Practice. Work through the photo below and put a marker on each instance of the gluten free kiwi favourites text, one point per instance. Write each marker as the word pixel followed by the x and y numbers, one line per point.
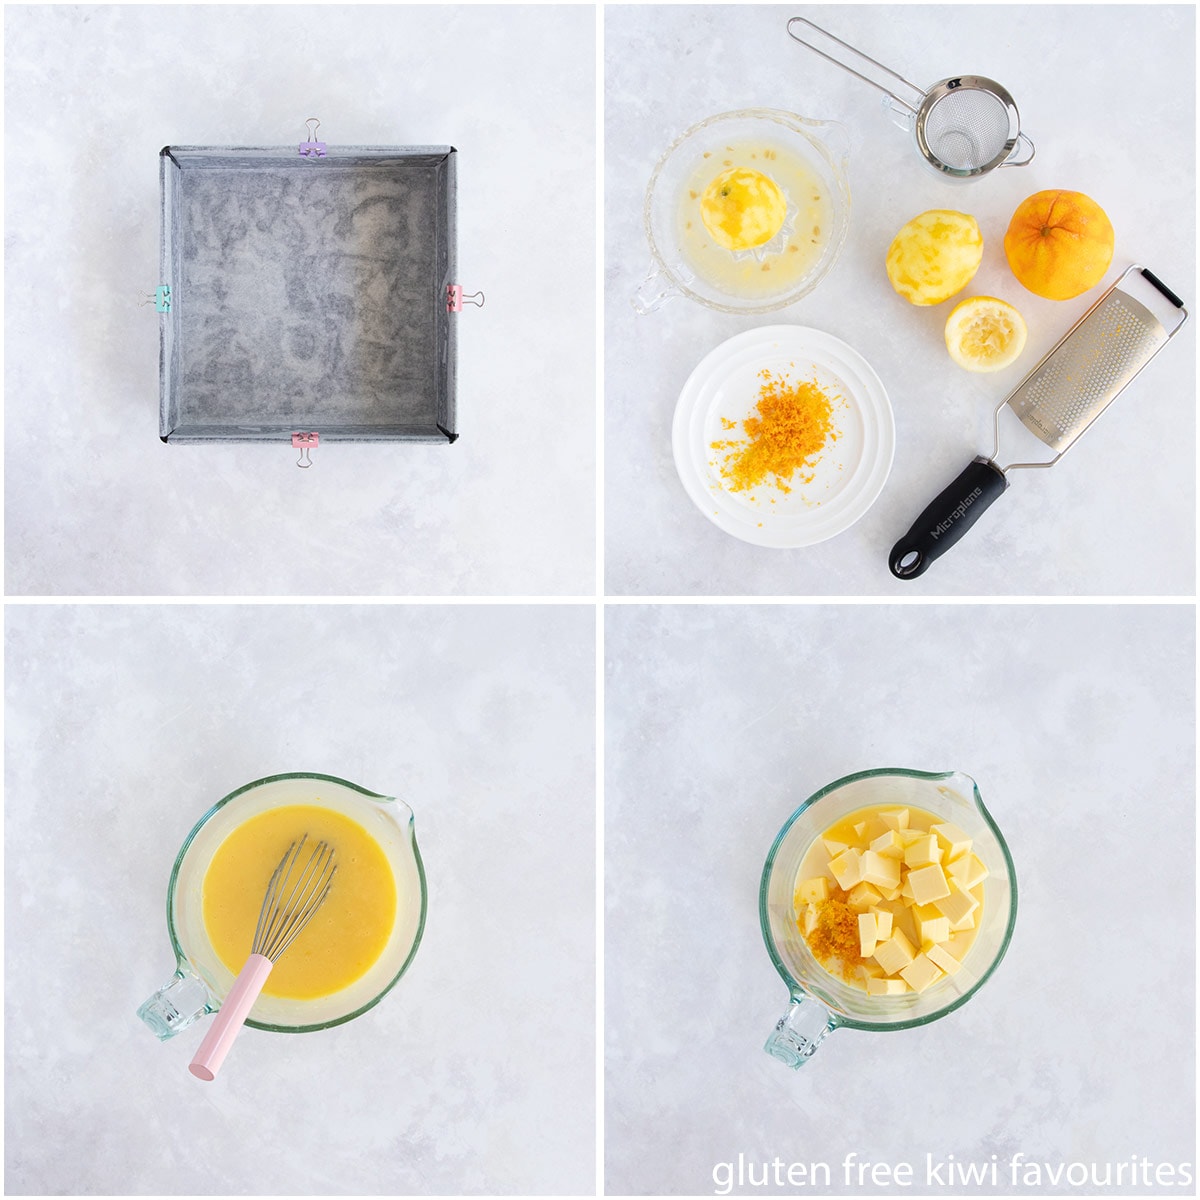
pixel 1019 1170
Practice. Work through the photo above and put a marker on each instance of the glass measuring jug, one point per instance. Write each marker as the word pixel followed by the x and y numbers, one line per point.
pixel 202 980
pixel 821 1002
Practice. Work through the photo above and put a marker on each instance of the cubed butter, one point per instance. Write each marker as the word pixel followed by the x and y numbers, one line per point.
pixel 922 852
pixel 960 870
pixel 886 987
pixel 895 953
pixel 921 973
pixel 862 896
pixel 847 869
pixel 889 845
pixel 883 923
pixel 941 957
pixel 813 891
pixel 953 841
pixel 978 874
pixel 957 905
pixel 890 893
pixel 869 970
pixel 895 818
pixel 808 920
pixel 860 828
pixel 967 922
pixel 928 884
pixel 867 935
pixel 880 870
pixel 932 925
pixel 908 836
pixel 836 846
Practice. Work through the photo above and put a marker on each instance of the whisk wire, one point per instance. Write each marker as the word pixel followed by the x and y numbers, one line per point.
pixel 282 919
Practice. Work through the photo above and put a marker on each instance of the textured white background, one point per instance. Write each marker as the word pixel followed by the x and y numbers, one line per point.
pixel 95 503
pixel 1116 516
pixel 1078 725
pixel 477 1073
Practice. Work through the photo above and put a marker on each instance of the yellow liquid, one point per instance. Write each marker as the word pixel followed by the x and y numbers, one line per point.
pixel 349 931
pixel 816 862
pixel 773 270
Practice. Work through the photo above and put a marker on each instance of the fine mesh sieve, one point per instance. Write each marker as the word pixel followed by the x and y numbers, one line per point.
pixel 963 126
pixel 1057 401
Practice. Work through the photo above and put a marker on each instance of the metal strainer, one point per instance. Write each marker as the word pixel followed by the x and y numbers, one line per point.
pixel 963 127
pixel 1057 401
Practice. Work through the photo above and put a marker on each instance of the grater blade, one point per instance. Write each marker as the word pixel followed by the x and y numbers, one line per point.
pixel 1087 370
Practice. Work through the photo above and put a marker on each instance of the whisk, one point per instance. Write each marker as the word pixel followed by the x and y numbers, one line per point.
pixel 283 916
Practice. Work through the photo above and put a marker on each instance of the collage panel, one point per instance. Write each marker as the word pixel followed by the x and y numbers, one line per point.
pixel 431 1030
pixel 1029 1032
pixel 816 323
pixel 262 234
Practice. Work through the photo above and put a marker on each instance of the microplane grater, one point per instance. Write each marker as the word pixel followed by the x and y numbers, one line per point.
pixel 1057 401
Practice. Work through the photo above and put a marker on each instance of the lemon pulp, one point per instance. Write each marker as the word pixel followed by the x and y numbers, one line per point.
pixel 743 208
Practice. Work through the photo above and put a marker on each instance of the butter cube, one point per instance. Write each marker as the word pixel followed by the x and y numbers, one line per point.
pixel 883 923
pixel 847 869
pixel 921 973
pixel 932 925
pixel 953 841
pixel 923 851
pixel 968 871
pixel 889 845
pixel 890 893
pixel 941 957
pixel 967 922
pixel 808 920
pixel 886 987
pixel 895 953
pixel 813 891
pixel 867 934
pixel 868 971
pixel 860 828
pixel 957 905
pixel 895 818
pixel 880 870
pixel 908 836
pixel 835 846
pixel 862 896
pixel 906 892
pixel 928 884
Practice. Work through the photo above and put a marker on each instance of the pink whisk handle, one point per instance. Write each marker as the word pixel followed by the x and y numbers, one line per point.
pixel 230 1017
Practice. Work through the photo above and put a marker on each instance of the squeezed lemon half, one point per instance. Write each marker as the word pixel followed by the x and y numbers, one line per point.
pixel 985 334
pixel 743 208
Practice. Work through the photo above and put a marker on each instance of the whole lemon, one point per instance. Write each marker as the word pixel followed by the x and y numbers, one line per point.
pixel 935 256
pixel 1059 244
pixel 743 208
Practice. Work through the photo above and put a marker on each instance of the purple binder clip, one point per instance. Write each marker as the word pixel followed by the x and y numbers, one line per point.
pixel 312 148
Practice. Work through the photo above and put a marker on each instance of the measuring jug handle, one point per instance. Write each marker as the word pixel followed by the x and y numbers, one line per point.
pixel 944 521
pixel 800 1031
pixel 176 1005
pixel 653 292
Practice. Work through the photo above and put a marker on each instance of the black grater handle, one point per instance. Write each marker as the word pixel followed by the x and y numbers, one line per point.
pixel 1162 287
pixel 955 510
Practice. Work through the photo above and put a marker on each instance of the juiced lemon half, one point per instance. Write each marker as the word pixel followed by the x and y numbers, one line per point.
pixel 985 334
pixel 742 208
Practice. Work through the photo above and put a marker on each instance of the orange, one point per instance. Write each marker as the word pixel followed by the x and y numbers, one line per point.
pixel 1059 244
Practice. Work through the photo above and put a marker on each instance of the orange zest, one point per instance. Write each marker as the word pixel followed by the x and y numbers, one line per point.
pixel 791 426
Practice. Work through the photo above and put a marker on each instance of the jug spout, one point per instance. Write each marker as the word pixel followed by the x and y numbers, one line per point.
pixel 176 1005
pixel 800 1031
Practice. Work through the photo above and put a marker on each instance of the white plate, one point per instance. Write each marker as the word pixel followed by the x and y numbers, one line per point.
pixel 850 473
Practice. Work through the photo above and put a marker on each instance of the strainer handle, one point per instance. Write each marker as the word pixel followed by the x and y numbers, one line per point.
pixel 944 521
pixel 1012 160
pixel 858 54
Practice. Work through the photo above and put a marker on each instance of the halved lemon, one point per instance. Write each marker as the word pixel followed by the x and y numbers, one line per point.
pixel 743 208
pixel 985 334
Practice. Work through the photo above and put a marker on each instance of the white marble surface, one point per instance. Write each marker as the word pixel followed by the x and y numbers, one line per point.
pixel 477 1073
pixel 95 503
pixel 1078 724
pixel 1109 100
